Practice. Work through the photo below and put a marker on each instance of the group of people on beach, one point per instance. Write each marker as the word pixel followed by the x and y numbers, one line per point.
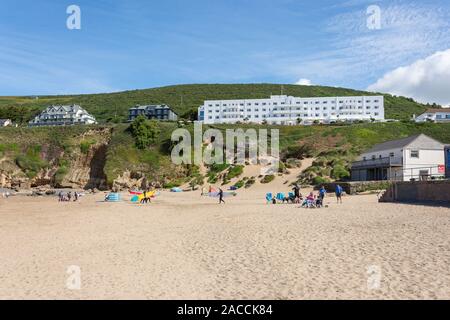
pixel 67 197
pixel 313 200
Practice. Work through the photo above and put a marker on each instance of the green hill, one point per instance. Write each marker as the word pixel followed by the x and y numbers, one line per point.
pixel 185 99
pixel 61 156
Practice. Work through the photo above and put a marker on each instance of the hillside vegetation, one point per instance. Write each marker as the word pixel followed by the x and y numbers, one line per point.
pixel 50 155
pixel 185 100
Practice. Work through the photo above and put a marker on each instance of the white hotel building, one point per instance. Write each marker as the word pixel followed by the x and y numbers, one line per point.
pixel 286 110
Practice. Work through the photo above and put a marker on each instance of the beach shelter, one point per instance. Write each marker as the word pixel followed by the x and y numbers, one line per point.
pixel 112 197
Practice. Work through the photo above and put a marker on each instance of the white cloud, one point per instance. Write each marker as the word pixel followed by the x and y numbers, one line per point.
pixel 426 80
pixel 356 56
pixel 304 82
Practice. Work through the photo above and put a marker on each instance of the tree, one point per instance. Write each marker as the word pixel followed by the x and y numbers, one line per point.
pixel 299 120
pixel 145 131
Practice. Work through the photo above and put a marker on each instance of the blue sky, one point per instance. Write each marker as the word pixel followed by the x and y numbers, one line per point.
pixel 141 44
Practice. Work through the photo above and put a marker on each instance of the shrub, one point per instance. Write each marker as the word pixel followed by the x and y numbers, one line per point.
pixel 319 180
pixel 145 132
pixel 234 171
pixel 339 172
pixel 86 145
pixel 268 179
pixel 249 183
pixel 31 162
pixel 60 174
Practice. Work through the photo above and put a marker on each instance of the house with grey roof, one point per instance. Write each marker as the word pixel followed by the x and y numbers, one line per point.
pixel 158 112
pixel 418 157
pixel 434 115
pixel 63 116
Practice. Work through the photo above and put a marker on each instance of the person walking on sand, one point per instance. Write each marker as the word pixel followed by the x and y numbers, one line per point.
pixel 221 196
pixel 339 192
pixel 296 190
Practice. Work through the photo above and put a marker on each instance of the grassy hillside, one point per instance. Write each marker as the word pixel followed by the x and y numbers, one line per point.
pixel 34 149
pixel 185 99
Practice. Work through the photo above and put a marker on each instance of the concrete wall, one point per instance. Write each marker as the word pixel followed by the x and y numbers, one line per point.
pixel 420 191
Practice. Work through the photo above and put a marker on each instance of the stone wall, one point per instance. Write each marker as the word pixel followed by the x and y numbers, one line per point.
pixel 420 191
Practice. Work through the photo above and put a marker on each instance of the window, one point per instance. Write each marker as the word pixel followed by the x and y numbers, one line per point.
pixel 392 154
pixel 415 154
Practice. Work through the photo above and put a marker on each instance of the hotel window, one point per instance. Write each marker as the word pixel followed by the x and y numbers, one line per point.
pixel 415 154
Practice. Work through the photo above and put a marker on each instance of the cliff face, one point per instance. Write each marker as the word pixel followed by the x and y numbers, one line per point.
pixel 76 166
pixel 86 168
pixel 84 157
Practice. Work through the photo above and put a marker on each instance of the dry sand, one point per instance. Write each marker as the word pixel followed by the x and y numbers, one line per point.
pixel 184 246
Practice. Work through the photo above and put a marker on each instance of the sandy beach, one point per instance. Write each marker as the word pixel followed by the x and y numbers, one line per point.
pixel 184 246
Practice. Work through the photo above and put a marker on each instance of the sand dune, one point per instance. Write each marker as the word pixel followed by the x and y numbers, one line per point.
pixel 186 246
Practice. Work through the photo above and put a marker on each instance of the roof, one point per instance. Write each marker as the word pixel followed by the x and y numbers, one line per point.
pixel 401 143
pixel 152 106
pixel 445 110
pixel 56 109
